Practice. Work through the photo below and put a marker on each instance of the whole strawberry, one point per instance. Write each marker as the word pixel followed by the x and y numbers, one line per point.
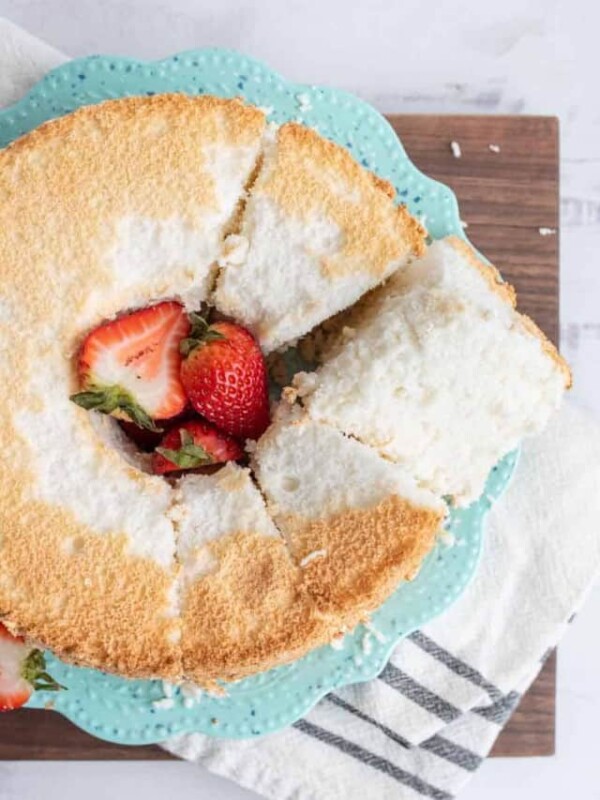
pixel 22 671
pixel 225 377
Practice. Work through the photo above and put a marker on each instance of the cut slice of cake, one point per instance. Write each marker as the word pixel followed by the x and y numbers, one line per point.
pixel 440 372
pixel 243 603
pixel 355 523
pixel 318 231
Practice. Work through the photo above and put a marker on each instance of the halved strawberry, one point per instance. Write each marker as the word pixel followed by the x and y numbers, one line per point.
pixel 194 444
pixel 129 367
pixel 225 377
pixel 22 671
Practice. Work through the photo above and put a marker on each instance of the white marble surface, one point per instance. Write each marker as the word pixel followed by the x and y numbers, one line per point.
pixel 519 56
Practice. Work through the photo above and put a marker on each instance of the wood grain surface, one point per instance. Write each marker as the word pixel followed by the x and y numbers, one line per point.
pixel 505 198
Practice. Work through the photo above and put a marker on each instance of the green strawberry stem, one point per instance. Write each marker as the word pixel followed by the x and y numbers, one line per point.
pixel 200 333
pixel 107 399
pixel 34 672
pixel 189 455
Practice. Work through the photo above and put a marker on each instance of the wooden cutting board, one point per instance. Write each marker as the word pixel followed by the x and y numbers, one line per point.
pixel 505 198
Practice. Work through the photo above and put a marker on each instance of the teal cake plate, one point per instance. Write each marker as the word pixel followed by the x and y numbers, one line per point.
pixel 126 711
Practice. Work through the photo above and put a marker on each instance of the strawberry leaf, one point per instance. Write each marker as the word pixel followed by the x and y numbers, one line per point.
pixel 187 345
pixel 189 455
pixel 108 399
pixel 34 672
pixel 201 333
pixel 137 415
pixel 199 325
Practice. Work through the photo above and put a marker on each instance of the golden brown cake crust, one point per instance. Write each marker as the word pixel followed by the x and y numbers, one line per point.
pixel 549 348
pixel 327 175
pixel 489 272
pixel 364 553
pixel 92 604
pixel 251 612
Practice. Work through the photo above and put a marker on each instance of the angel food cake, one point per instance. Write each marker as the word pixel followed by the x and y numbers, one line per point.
pixel 156 519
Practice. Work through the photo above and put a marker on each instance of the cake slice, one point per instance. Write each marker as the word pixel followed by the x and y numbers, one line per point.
pixel 244 607
pixel 318 231
pixel 356 524
pixel 440 373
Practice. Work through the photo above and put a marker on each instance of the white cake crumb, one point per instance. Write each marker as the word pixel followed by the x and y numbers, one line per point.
pixel 358 661
pixel 303 101
pixel 177 513
pixel 305 382
pixel 168 689
pixel 456 151
pixel 495 148
pixel 174 636
pixel 164 704
pixel 267 110
pixel 547 231
pixel 289 394
pixel 68 545
pixel 381 637
pixel 338 641
pixel 311 557
pixel 234 250
pixel 367 643
pixel 448 538
pixel 189 702
pixel 464 224
pixel 191 691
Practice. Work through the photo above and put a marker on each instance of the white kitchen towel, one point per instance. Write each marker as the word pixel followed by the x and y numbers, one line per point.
pixel 425 725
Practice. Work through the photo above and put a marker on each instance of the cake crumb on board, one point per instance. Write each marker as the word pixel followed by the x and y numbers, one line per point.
pixel 455 147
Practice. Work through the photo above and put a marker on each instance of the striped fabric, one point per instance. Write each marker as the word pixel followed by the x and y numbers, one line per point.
pixel 426 724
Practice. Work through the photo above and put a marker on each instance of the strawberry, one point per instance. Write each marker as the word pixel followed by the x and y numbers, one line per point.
pixel 22 671
pixel 146 440
pixel 225 377
pixel 129 367
pixel 194 444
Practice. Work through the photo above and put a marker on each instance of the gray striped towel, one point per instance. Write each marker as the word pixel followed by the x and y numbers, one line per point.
pixel 425 725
